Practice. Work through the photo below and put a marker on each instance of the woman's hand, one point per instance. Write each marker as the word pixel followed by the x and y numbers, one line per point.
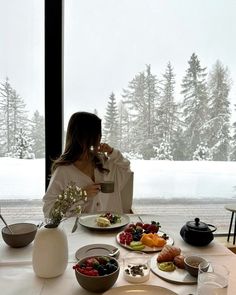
pixel 92 190
pixel 105 148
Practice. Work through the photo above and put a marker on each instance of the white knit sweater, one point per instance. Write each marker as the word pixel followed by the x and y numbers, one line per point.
pixel 119 173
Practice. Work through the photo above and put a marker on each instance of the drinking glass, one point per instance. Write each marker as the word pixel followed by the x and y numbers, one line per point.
pixel 136 267
pixel 212 280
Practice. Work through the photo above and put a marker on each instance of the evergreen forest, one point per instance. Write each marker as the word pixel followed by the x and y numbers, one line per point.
pixel 148 121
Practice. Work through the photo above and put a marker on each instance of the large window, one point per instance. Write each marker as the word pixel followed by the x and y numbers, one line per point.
pixel 160 74
pixel 22 144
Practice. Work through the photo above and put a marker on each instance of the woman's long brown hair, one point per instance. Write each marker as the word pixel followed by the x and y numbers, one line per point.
pixel 83 132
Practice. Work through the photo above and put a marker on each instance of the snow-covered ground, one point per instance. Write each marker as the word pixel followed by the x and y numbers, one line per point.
pixel 24 179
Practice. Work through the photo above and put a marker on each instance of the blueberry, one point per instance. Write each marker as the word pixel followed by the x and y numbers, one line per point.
pixel 113 261
pixel 136 237
pixel 110 267
pixel 101 270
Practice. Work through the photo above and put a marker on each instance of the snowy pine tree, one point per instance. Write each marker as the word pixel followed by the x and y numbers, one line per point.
pixel 178 143
pixel 163 151
pixel 233 144
pixel 195 105
pixel 203 152
pixel 38 135
pixel 124 143
pixel 150 99
pixel 13 116
pixel 141 98
pixel 133 98
pixel 218 125
pixel 5 122
pixel 23 146
pixel 167 107
pixel 167 112
pixel 110 130
pixel 19 115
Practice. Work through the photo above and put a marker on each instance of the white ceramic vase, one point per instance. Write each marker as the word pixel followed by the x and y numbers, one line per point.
pixel 50 252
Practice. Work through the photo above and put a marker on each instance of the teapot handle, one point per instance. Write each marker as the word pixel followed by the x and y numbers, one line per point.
pixel 214 227
pixel 210 230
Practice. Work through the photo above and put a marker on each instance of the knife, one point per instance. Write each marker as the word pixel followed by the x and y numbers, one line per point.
pixel 75 224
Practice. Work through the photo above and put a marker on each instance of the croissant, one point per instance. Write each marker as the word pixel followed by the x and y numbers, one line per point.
pixel 168 253
pixel 179 261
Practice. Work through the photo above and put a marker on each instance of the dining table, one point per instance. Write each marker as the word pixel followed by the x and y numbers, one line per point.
pixel 17 276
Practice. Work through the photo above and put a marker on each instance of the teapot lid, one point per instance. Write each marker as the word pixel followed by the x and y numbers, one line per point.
pixel 197 225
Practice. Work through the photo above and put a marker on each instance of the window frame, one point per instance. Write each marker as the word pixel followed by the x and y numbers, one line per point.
pixel 54 76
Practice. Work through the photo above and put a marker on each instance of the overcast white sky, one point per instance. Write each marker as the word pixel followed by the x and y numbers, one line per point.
pixel 107 42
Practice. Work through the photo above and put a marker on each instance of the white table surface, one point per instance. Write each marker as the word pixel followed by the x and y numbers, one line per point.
pixel 17 275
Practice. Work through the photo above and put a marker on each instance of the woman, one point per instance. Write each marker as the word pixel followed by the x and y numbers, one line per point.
pixel 87 162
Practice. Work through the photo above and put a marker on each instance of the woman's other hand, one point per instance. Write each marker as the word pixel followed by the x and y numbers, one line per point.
pixel 105 148
pixel 92 190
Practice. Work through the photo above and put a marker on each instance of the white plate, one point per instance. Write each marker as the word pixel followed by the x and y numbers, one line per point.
pixel 95 249
pixel 147 249
pixel 139 289
pixel 177 276
pixel 89 221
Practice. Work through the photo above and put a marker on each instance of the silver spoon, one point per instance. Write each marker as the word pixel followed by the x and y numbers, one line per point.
pixel 40 224
pixel 114 252
pixel 8 227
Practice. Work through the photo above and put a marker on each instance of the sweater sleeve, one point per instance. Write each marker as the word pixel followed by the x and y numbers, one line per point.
pixel 119 168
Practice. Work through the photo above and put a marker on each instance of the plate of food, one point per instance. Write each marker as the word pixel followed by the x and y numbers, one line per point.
pixel 169 265
pixel 104 221
pixel 144 237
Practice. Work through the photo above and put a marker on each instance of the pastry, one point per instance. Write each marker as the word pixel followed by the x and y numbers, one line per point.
pixel 168 253
pixel 179 261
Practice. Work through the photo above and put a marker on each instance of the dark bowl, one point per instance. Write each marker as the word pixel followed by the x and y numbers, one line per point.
pixel 23 234
pixel 191 264
pixel 97 284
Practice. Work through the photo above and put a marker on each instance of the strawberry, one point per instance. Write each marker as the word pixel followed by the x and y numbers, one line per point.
pixel 153 227
pixel 139 224
pixel 90 272
pixel 146 225
pixel 129 229
pixel 92 262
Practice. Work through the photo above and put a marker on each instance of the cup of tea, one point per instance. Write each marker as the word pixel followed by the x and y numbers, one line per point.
pixel 107 186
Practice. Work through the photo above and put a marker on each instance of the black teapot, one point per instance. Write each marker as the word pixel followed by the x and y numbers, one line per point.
pixel 197 233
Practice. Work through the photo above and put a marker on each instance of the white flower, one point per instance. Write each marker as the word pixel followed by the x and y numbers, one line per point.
pixel 66 202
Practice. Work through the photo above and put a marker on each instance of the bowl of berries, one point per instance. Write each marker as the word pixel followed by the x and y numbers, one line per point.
pixel 97 273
